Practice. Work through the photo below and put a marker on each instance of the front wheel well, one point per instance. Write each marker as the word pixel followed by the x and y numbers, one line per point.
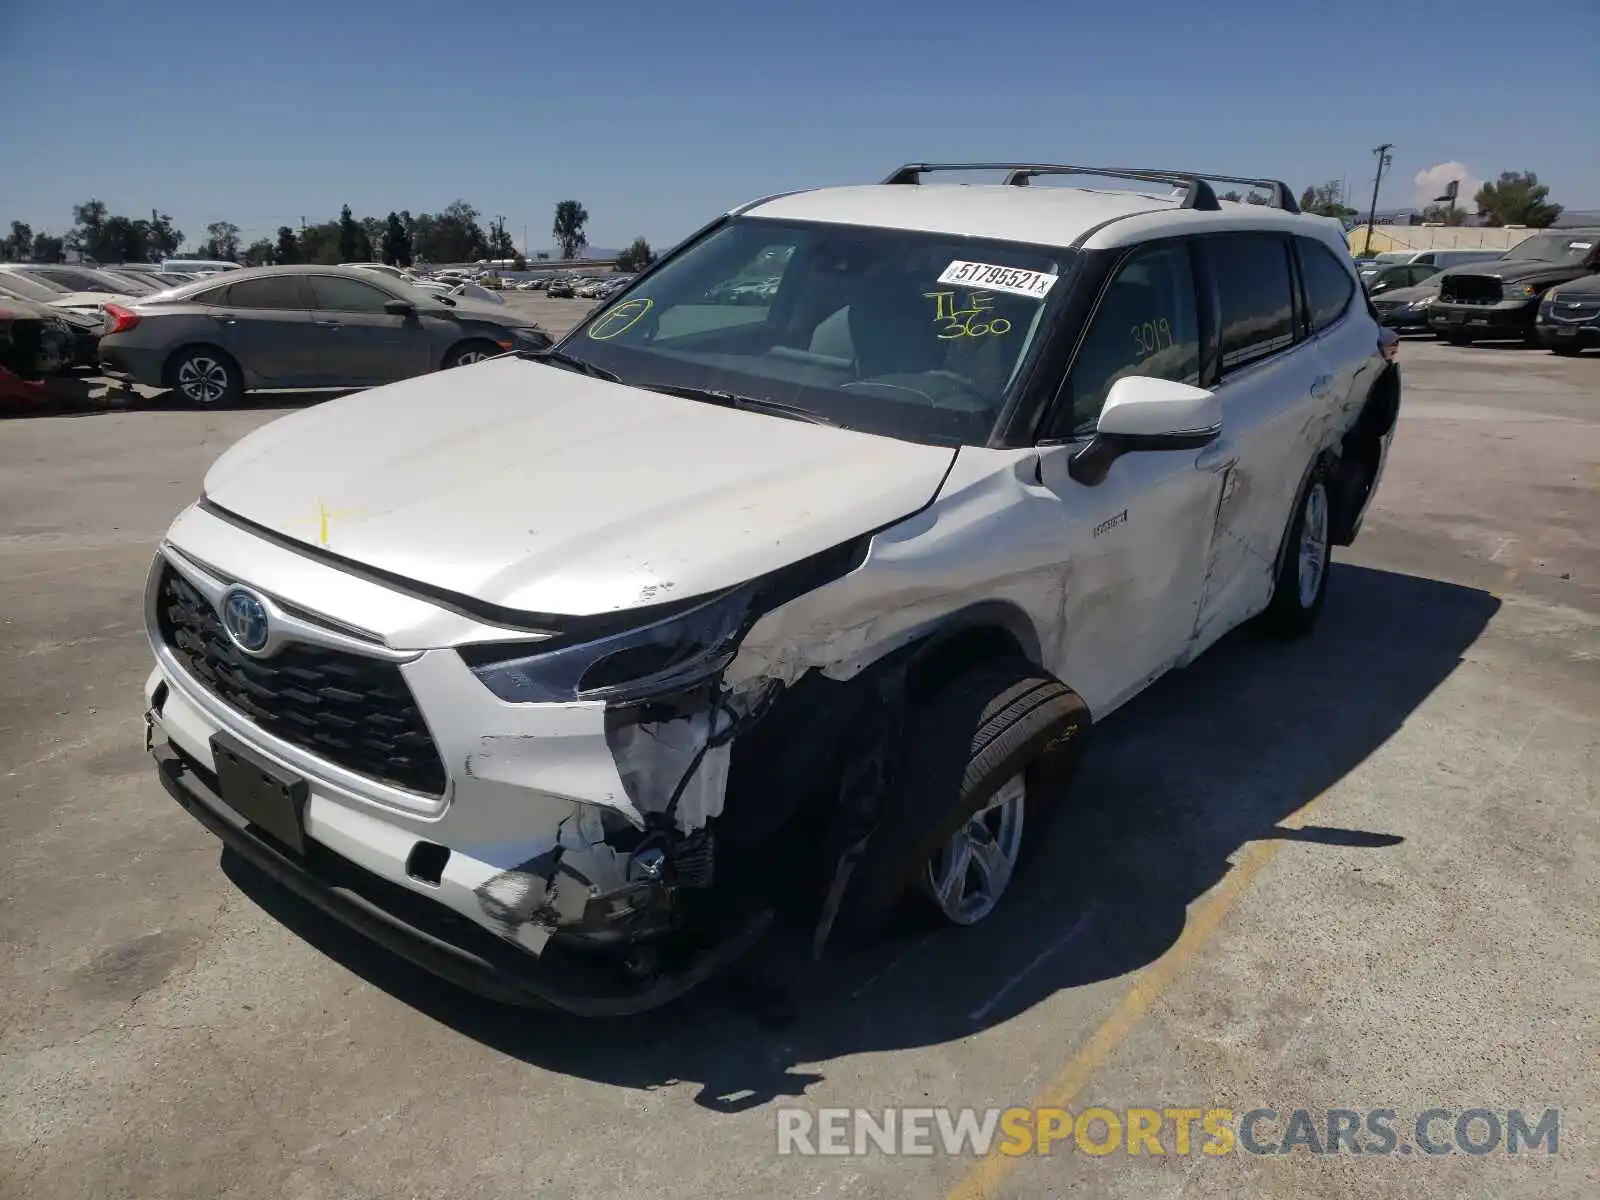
pixel 468 343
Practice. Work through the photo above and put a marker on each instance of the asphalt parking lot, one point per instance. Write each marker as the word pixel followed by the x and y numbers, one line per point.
pixel 1358 872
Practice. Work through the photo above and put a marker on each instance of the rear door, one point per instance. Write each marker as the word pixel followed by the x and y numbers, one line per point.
pixel 265 323
pixel 362 344
pixel 1271 381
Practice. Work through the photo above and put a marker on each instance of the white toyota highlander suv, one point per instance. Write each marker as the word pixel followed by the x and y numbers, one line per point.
pixel 787 586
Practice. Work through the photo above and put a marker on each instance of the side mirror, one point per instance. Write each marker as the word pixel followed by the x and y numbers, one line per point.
pixel 400 308
pixel 1141 414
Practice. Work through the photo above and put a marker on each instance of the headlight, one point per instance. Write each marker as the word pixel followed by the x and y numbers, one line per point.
pixel 533 334
pixel 668 655
pixel 1550 297
pixel 1517 291
pixel 1423 303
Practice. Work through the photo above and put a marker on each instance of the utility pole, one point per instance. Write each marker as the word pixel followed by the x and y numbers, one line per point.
pixel 1384 159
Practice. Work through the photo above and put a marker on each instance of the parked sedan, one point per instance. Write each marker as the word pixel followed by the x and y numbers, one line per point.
pixel 1406 308
pixel 1569 316
pixel 302 327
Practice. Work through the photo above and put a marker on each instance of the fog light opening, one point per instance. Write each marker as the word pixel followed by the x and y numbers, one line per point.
pixel 426 862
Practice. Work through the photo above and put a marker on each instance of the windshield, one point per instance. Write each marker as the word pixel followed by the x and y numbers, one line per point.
pixel 1554 247
pixel 29 289
pixel 913 335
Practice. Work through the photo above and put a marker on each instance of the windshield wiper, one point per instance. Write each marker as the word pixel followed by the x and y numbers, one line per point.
pixel 552 355
pixel 774 408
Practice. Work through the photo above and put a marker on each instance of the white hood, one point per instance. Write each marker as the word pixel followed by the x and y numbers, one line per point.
pixel 546 491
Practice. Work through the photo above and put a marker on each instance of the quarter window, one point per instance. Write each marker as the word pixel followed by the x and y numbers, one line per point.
pixel 269 291
pixel 346 295
pixel 1255 296
pixel 1145 324
pixel 1328 284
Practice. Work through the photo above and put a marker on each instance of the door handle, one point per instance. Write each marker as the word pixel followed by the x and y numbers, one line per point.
pixel 1320 386
pixel 327 324
pixel 227 320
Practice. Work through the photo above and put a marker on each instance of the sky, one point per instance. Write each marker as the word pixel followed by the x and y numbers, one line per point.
pixel 659 116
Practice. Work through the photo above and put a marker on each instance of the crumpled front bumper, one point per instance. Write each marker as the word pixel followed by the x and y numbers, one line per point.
pixel 435 938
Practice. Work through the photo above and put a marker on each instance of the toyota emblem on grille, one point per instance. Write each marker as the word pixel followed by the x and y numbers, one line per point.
pixel 245 619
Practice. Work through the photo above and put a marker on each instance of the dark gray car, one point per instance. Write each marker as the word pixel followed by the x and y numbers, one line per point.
pixel 302 327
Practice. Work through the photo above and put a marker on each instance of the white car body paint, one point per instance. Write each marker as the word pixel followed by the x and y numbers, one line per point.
pixel 529 488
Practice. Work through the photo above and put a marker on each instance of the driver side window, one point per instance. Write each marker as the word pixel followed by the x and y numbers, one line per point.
pixel 1144 324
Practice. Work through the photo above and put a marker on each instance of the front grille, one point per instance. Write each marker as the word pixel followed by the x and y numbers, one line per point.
pixel 1470 289
pixel 1384 306
pixel 1583 310
pixel 352 710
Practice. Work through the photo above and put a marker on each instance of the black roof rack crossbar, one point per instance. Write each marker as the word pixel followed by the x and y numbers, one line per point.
pixel 1280 195
pixel 1197 192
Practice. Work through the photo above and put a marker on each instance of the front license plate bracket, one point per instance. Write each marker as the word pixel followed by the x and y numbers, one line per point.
pixel 260 792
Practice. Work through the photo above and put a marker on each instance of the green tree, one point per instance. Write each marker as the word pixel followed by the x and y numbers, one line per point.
pixel 1232 195
pixel 258 253
pixel 456 235
pixel 1445 214
pixel 396 242
pixel 372 231
pixel 288 248
pixel 636 257
pixel 46 249
pixel 500 243
pixel 1517 198
pixel 87 235
pixel 1326 200
pixel 123 240
pixel 162 239
pixel 349 236
pixel 222 241
pixel 320 244
pixel 16 247
pixel 571 217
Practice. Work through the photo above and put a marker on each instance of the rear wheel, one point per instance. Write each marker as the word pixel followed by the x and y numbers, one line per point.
pixel 206 376
pixel 1566 351
pixel 1302 583
pixel 1458 339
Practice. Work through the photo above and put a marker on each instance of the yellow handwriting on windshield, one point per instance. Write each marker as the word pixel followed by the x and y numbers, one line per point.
pixel 620 319
pixel 956 322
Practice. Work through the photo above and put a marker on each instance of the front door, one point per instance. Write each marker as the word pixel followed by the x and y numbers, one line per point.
pixel 1136 544
pixel 359 343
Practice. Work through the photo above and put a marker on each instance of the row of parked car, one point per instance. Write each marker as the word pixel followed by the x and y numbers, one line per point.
pixel 1545 290
pixel 215 336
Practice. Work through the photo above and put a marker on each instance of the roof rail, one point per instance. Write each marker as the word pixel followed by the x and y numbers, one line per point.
pixel 1281 196
pixel 1197 192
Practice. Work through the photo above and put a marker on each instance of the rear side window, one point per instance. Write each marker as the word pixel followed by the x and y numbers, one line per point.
pixel 272 291
pixel 1329 286
pixel 1144 324
pixel 1255 296
pixel 346 295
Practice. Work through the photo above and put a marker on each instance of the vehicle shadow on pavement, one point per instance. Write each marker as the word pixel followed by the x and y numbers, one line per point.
pixel 1208 760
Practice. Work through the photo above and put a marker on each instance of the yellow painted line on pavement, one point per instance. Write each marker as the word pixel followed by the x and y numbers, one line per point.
pixel 984 1180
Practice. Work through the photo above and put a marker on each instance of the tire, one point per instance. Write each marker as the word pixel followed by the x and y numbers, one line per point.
pixel 468 353
pixel 1566 351
pixel 1458 339
pixel 205 376
pixel 1006 733
pixel 1300 589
